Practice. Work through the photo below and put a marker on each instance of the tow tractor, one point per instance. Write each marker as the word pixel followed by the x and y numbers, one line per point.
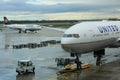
pixel 25 66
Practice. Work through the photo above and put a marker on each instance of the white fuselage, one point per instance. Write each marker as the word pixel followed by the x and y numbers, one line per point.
pixel 24 27
pixel 91 36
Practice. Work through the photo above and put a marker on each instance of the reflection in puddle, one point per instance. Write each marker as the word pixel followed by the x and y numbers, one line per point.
pixel 27 76
pixel 75 75
pixel 69 76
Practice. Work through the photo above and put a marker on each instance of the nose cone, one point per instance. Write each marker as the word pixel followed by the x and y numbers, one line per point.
pixel 70 45
pixel 65 47
pixel 64 40
pixel 65 44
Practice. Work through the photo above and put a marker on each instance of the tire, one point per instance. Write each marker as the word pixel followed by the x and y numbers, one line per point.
pixel 33 70
pixel 19 31
pixel 18 72
pixel 25 31
pixel 26 71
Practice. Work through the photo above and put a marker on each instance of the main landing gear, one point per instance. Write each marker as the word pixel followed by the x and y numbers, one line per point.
pixel 99 54
pixel 62 62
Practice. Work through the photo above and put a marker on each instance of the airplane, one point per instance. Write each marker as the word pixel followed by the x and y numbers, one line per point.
pixel 93 36
pixel 21 27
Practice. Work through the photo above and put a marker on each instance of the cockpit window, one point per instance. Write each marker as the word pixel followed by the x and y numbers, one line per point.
pixel 71 35
pixel 76 35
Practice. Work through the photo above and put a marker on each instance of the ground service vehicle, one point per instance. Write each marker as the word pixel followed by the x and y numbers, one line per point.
pixel 25 66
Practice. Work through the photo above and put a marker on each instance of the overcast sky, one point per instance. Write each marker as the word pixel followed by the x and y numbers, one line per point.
pixel 59 9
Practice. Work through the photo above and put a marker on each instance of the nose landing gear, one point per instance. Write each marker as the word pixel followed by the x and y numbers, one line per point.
pixel 78 62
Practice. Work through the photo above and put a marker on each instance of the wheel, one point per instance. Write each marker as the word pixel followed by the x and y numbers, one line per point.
pixel 18 72
pixel 25 31
pixel 33 69
pixel 26 71
pixel 19 31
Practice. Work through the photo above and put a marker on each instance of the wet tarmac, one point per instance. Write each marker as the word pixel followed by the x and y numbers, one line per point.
pixel 44 58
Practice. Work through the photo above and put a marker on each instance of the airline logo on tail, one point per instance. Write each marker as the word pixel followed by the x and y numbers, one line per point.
pixel 6 21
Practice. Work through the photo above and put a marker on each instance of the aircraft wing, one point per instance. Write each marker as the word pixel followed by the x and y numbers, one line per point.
pixel 58 29
pixel 34 29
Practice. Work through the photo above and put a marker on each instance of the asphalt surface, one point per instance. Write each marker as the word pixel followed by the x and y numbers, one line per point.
pixel 44 58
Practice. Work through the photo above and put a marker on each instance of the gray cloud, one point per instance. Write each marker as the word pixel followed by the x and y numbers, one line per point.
pixel 20 5
pixel 91 8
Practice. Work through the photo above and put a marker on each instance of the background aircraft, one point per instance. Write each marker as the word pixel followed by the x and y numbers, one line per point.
pixel 21 27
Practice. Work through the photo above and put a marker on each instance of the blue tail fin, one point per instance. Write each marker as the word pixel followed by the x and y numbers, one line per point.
pixel 6 21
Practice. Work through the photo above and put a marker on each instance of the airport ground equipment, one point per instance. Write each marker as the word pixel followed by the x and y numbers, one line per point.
pixel 36 45
pixel 25 66
pixel 69 65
